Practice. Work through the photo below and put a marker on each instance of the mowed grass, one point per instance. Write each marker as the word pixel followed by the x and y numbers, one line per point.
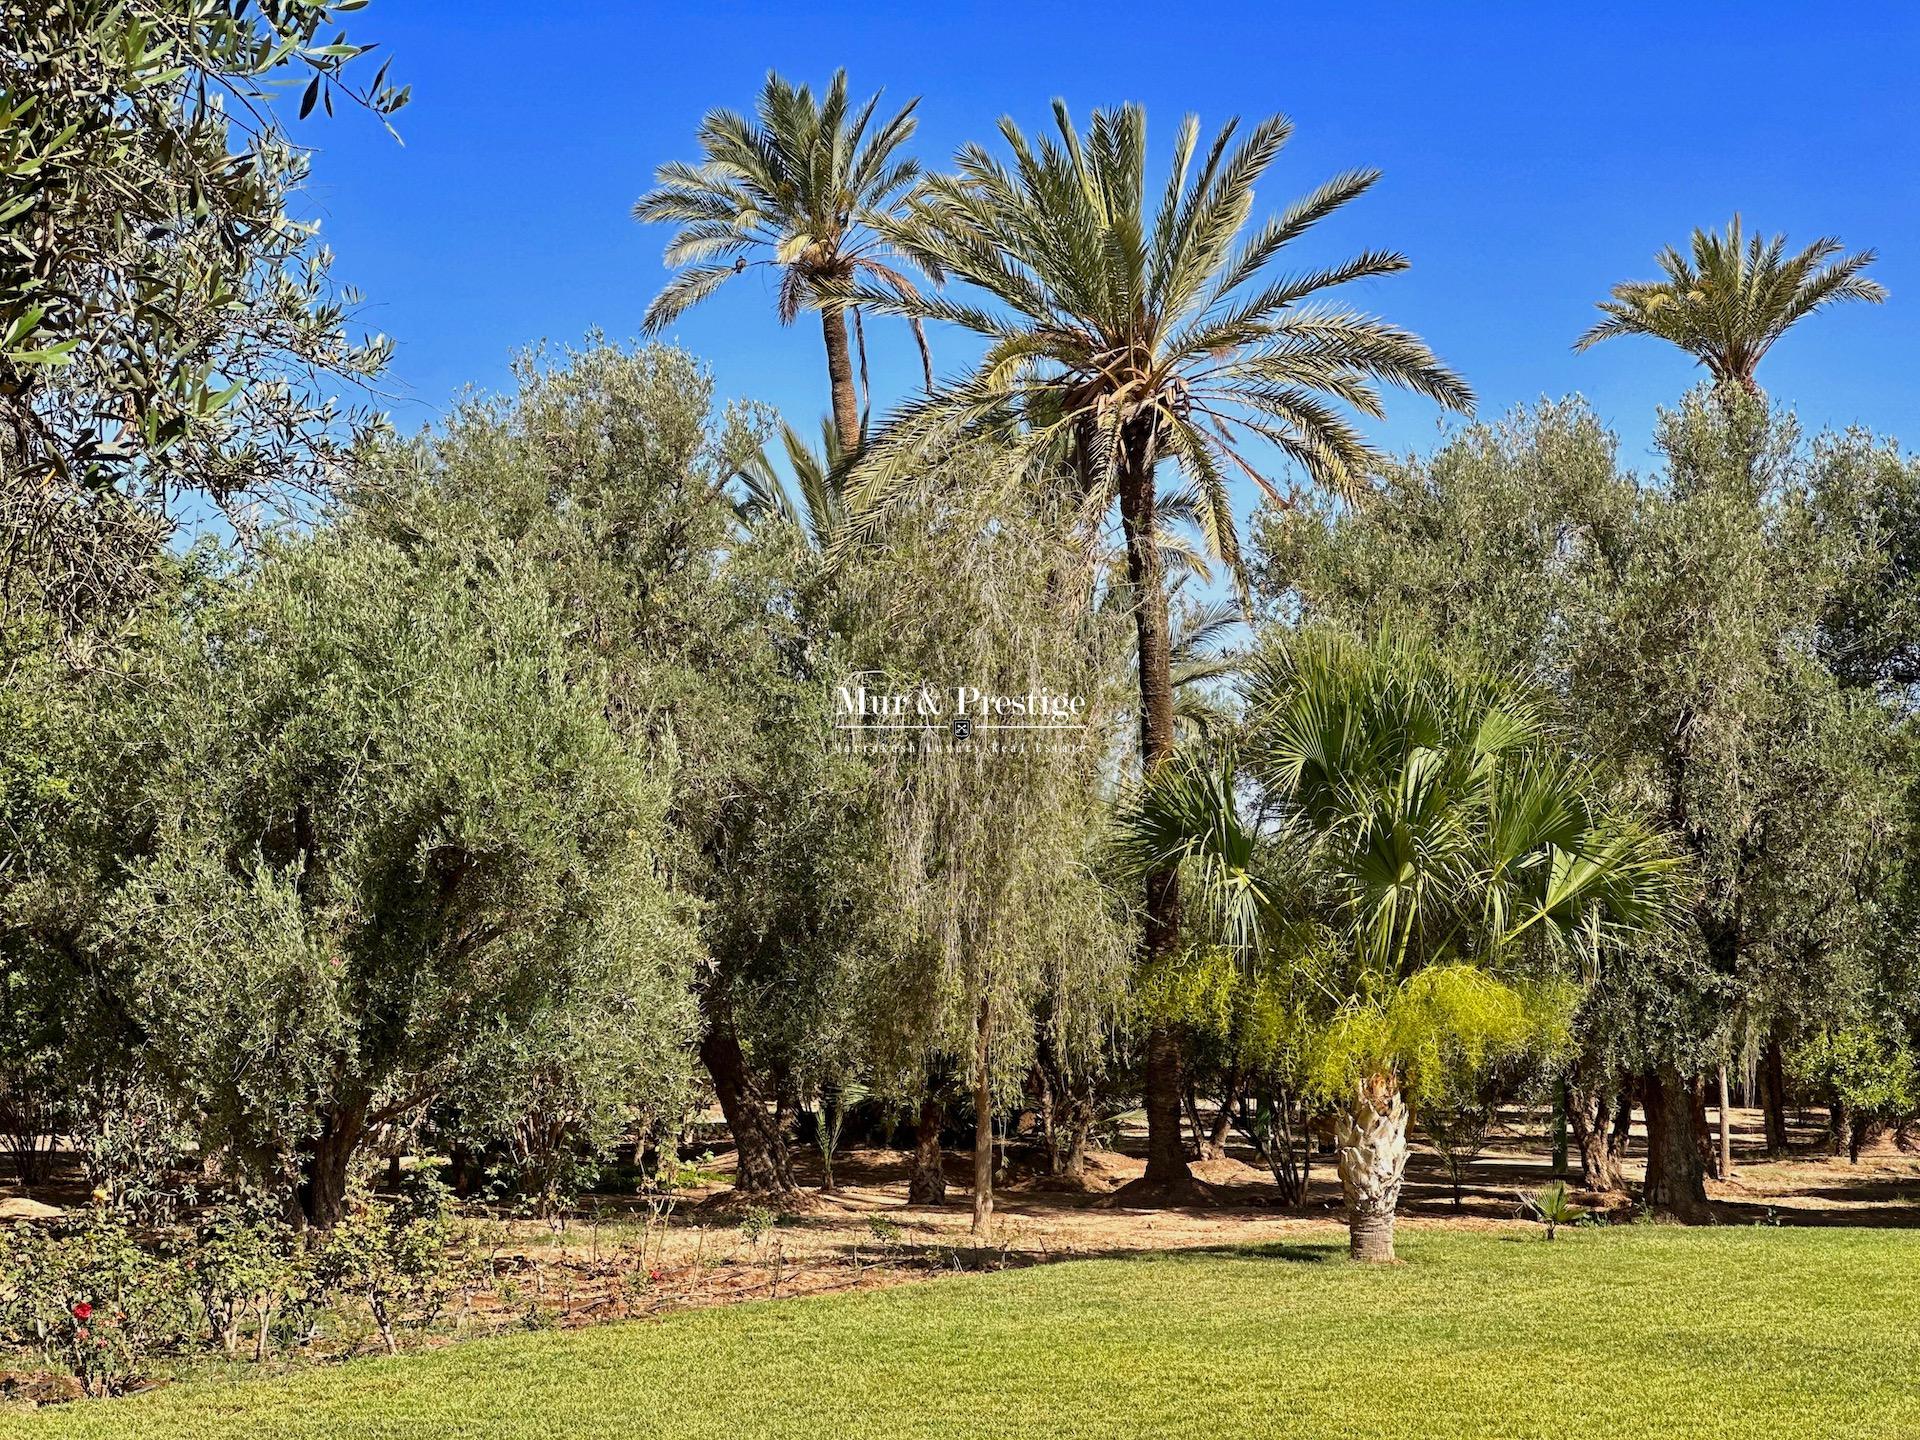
pixel 1636 1331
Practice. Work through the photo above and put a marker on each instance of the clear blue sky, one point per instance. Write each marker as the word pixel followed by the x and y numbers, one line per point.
pixel 1533 156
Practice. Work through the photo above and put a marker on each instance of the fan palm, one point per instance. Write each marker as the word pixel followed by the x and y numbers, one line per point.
pixel 1387 819
pixel 799 187
pixel 1123 330
pixel 1729 302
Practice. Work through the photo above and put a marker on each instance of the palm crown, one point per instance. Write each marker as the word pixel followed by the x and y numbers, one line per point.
pixel 1121 330
pixel 1736 295
pixel 1389 813
pixel 798 188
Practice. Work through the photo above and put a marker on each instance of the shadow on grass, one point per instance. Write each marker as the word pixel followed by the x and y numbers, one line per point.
pixel 1290 1251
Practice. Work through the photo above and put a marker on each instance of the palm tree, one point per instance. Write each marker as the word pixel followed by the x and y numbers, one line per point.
pixel 1122 332
pixel 1729 303
pixel 815 506
pixel 800 187
pixel 1385 822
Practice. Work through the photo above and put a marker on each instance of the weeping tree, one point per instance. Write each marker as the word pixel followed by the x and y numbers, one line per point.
pixel 991 932
pixel 1413 851
pixel 1130 326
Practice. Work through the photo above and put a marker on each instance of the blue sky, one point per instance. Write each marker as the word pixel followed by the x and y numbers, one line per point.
pixel 1533 155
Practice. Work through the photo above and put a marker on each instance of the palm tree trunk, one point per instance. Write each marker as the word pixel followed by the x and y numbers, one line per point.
pixel 846 403
pixel 1370 1138
pixel 927 1184
pixel 1168 1175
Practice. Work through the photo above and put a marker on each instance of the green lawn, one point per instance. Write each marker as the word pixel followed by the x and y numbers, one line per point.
pixel 1628 1332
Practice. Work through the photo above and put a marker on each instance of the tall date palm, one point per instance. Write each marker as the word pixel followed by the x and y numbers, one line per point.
pixel 1125 328
pixel 1728 302
pixel 798 188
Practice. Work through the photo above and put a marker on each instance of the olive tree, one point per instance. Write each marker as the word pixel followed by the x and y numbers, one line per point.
pixel 167 322
pixel 373 815
pixel 611 474
pixel 1718 630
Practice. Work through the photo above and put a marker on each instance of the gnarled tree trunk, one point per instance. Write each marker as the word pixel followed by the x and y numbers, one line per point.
pixel 1370 1141
pixel 327 1161
pixel 1676 1182
pixel 1590 1116
pixel 1213 1138
pixel 761 1168
pixel 927 1184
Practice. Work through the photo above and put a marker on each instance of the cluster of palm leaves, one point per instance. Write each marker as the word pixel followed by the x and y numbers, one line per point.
pixel 1114 319
pixel 1122 326
pixel 814 504
pixel 1729 301
pixel 1379 813
pixel 795 189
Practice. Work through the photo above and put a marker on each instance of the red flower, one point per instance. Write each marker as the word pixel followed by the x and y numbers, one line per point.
pixel 83 1311
pixel 653 1275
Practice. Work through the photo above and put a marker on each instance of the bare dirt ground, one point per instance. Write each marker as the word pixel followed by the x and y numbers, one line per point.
pixel 621 1258
pixel 1036 1218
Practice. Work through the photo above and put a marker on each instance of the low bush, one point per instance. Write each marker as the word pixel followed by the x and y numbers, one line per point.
pixel 396 1258
pixel 91 1301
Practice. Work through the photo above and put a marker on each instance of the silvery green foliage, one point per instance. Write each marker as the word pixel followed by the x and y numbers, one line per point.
pixel 167 321
pixel 1724 628
pixel 608 472
pixel 375 817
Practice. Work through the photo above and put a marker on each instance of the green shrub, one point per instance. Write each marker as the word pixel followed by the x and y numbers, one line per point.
pixel 396 1258
pixel 91 1301
pixel 244 1264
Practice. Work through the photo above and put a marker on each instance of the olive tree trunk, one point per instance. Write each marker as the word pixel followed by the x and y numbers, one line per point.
pixel 1590 1115
pixel 1773 1094
pixel 762 1167
pixel 1676 1181
pixel 1370 1143
pixel 327 1162
pixel 1726 1127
